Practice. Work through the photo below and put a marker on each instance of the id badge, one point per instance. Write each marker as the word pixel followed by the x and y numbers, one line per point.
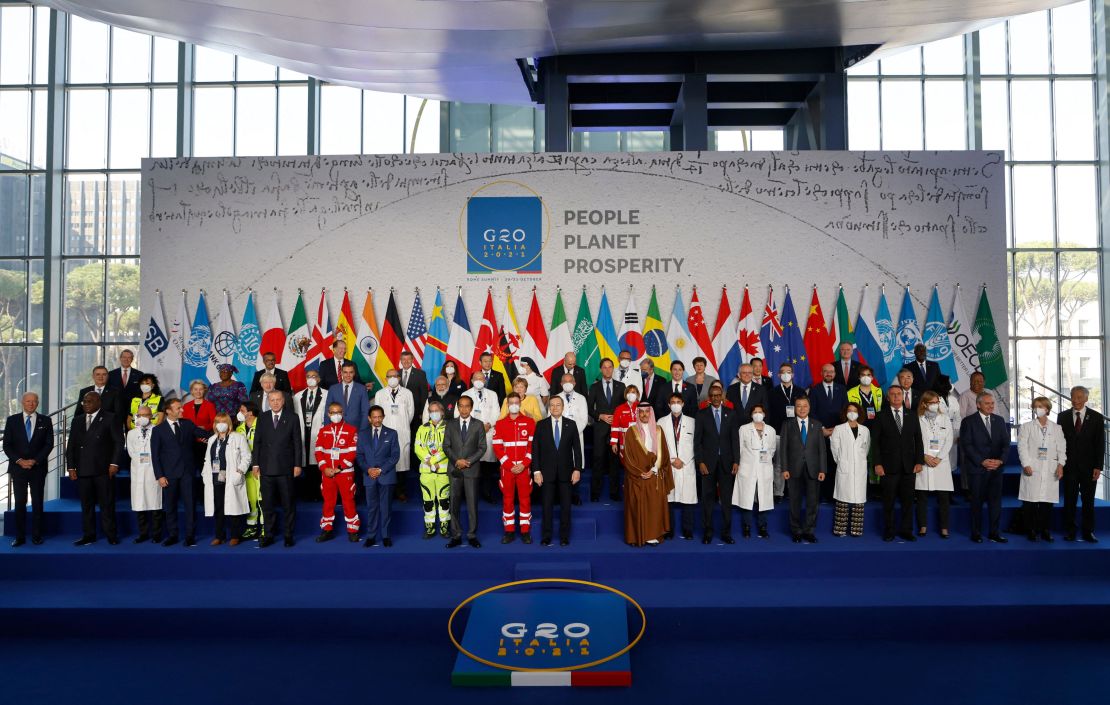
pixel 144 458
pixel 394 408
pixel 763 455
pixel 934 445
pixel 1042 453
pixel 870 413
pixel 334 453
pixel 790 411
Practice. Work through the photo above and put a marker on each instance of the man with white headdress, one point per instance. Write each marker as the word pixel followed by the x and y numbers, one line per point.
pixel 647 480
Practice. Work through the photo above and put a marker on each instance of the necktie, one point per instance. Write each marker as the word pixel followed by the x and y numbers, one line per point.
pixel 88 421
pixel 1078 422
pixel 908 404
pixel 805 435
pixel 124 377
pixel 568 400
pixel 480 398
pixel 346 394
pixel 717 418
pixel 608 393
pixel 987 423
pixel 847 366
pixel 277 417
pixel 144 434
pixel 898 419
pixel 487 377
pixel 744 397
pixel 173 428
pixel 556 424
pixel 27 420
pixel 376 432
pixel 405 380
pixel 98 391
pixel 339 369
pixel 828 391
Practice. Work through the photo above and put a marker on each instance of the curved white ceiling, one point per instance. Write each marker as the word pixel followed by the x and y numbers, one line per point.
pixel 467 49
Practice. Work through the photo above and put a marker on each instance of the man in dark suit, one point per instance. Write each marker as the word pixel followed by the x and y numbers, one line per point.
pixel 125 378
pixel 801 459
pixel 847 369
pixel 28 440
pixel 171 454
pixel 678 385
pixel 605 395
pixel 275 461
pixel 351 395
pixel 331 370
pixel 416 382
pixel 464 444
pixel 281 377
pixel 1085 432
pixel 376 460
pixel 569 367
pixel 827 400
pixel 984 440
pixel 781 398
pixel 112 399
pixel 924 371
pixel 556 467
pixel 713 454
pixel 744 394
pixel 653 388
pixel 266 384
pixel 896 436
pixel 94 437
pixel 495 381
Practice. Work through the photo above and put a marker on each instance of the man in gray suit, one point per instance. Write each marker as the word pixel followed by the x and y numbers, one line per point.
pixel 802 461
pixel 464 444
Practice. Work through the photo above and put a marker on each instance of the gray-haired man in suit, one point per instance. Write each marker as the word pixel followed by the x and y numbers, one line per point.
pixel 802 462
pixel 464 444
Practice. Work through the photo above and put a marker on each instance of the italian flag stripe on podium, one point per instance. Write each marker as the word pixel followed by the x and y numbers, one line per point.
pixel 543 678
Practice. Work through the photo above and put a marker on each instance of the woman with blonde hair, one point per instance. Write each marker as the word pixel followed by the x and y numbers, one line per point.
pixel 1042 451
pixel 227 460
pixel 529 403
pixel 937 434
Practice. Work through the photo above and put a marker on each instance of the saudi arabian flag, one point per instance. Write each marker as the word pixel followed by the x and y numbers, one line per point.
pixel 991 361
pixel 655 339
pixel 585 342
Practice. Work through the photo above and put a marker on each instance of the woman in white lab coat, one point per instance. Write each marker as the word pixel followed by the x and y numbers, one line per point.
pixel 1042 452
pixel 754 487
pixel 850 443
pixel 146 493
pixel 227 459
pixel 679 432
pixel 937 436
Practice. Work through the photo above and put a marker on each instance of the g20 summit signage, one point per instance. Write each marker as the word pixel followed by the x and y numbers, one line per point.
pixel 507 233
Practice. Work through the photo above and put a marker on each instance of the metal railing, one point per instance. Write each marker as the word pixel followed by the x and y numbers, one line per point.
pixel 55 464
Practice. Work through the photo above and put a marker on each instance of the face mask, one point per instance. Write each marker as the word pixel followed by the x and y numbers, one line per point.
pixel 514 408
pixel 336 418
pixel 393 382
pixel 865 381
pixel 625 364
pixel 934 408
pixel 568 387
pixel 241 417
pixel 311 382
pixel 1041 412
pixel 631 397
pixel 852 416
pixel 676 408
pixel 479 383
pixel 221 427
pixel 146 388
pixel 786 377
pixel 435 416
pixel 450 370
pixel 142 421
pixel 757 417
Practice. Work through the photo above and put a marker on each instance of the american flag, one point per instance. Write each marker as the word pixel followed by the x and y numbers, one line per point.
pixel 416 335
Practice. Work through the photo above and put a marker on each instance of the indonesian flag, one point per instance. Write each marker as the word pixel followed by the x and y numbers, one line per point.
pixel 748 331
pixel 700 333
pixel 460 342
pixel 273 337
pixel 534 344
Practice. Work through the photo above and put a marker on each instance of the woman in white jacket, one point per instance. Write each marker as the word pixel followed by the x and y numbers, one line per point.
pixel 226 463
pixel 1042 452
pixel 754 487
pixel 850 443
pixel 937 435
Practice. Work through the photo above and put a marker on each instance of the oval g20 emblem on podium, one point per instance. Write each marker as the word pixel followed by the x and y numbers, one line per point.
pixel 503 228
pixel 527 633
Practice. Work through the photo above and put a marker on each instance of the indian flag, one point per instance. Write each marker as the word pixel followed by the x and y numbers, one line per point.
pixel 365 351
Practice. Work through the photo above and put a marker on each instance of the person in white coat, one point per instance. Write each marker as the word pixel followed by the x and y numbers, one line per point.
pixel 227 459
pixel 576 409
pixel 950 407
pixel 399 407
pixel 679 432
pixel 937 437
pixel 1042 452
pixel 146 493
pixel 850 444
pixel 537 385
pixel 486 409
pixel 310 406
pixel 754 488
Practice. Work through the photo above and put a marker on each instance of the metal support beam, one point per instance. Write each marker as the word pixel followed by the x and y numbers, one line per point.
pixel 1101 21
pixel 313 145
pixel 556 96
pixel 54 226
pixel 691 114
pixel 973 94
pixel 833 91
pixel 185 99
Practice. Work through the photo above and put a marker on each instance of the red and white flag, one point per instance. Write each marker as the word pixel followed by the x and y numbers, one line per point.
pixel 273 336
pixel 695 322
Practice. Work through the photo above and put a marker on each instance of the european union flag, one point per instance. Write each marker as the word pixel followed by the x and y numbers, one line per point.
pixel 795 345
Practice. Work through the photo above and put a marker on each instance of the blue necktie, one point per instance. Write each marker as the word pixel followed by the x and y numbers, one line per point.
pixel 717 418
pixel 744 396
pixel 557 434
pixel 27 420
pixel 608 393
pixel 804 434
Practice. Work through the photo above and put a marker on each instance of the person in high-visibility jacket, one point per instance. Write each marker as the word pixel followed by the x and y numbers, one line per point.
pixel 336 444
pixel 512 446
pixel 248 422
pixel 435 485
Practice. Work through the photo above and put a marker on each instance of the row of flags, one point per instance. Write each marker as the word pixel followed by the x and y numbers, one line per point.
pixel 191 347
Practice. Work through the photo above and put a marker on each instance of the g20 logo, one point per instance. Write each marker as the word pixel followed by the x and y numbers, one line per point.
pixel 504 233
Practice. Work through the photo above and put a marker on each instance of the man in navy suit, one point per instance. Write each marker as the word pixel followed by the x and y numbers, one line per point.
pixel 925 371
pixel 744 394
pixel 827 399
pixel 713 453
pixel 984 440
pixel 28 440
pixel 678 385
pixel 349 393
pixel 125 378
pixel 171 454
pixel 94 437
pixel 376 458
pixel 556 467
pixel 276 461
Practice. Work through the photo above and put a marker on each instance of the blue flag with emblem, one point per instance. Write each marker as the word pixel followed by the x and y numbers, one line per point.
pixel 909 332
pixel 795 344
pixel 248 342
pixel 194 362
pixel 937 343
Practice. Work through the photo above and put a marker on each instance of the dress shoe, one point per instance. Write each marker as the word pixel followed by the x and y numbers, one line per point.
pixel 370 542
pixel 545 541
pixel 1089 537
pixel 576 501
pixel 564 542
pixel 474 543
pixel 289 542
pixel 796 538
pixel 707 538
pixel 190 541
pixel 977 538
pixel 84 541
pixel 37 540
pixel 402 497
pixel 18 542
pixel 595 498
pixel 688 535
pixel 1047 537
pixel 907 536
pixel 266 541
pixel 615 497
pixel 746 532
pixel 1069 537
pixel 943 534
pixel 668 535
pixel 1032 536
pixel 888 538
pixel 454 543
pixel 387 542
pixel 353 538
pixel 215 542
pixel 998 538
pixel 809 538
pixel 727 538
pixel 509 537
pixel 325 536
pixel 113 541
pixel 170 540
pixel 233 542
pixel 526 538
pixel 157 538
pixel 763 533
pixel 141 538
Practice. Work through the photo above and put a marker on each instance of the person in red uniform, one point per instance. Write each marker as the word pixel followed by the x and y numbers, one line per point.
pixel 336 445
pixel 624 417
pixel 512 445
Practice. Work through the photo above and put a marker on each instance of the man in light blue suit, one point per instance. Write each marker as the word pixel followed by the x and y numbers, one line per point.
pixel 352 396
pixel 376 460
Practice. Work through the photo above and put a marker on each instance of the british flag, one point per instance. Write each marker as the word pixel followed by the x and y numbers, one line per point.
pixel 416 335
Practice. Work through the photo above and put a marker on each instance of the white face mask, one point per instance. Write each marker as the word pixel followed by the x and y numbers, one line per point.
pixel 221 427
pixel 785 377
pixel 852 415
pixel 146 388
pixel 449 370
pixel 865 381
pixel 311 382
pixel 479 383
pixel 393 382
pixel 676 408
pixel 435 416
pixel 632 397
pixel 934 408
pixel 568 387
pixel 757 417
pixel 241 417
pixel 625 364
pixel 1041 412
pixel 142 421
pixel 514 408
pixel 336 418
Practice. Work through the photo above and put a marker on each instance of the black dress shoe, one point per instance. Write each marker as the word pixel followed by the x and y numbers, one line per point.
pixel 1032 536
pixel 190 541
pixel 289 542
pixel 707 538
pixel 474 543
pixel 746 532
pixel 888 538
pixel 1047 537
pixel 998 538
pixel 325 536
pixel 370 542
pixel 171 540
pixel 141 538
pixel 943 536
pixel 977 538
pixel 84 541
pixel 526 538
pixel 907 536
pixel 157 538
pixel 37 540
pixel 688 535
pixel 763 533
pixel 576 501
pixel 1069 537
pixel 18 542
pixel 509 537
pixel 727 538
pixel 545 541
pixel 668 535
pixel 615 497
pixel 113 541
pixel 1089 537
pixel 454 543
pixel 809 538
pixel 564 542
pixel 265 541
pixel 353 538
pixel 595 498
pixel 796 538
